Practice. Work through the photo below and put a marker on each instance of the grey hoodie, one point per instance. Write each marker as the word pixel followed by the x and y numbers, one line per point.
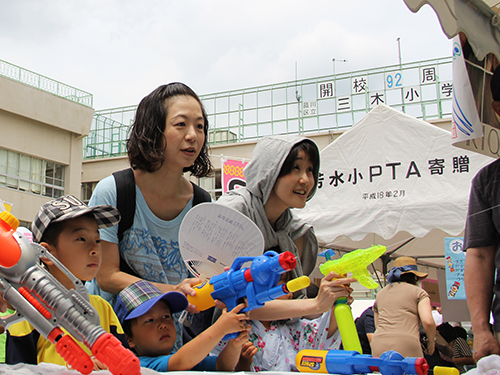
pixel 261 174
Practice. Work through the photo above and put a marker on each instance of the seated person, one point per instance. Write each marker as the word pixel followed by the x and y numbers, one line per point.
pixel 461 353
pixel 69 230
pixel 146 316
pixel 365 325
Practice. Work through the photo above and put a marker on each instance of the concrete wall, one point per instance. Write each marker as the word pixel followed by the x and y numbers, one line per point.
pixel 44 107
pixel 45 126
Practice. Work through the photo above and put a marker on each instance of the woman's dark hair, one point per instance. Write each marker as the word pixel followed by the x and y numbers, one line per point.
pixel 447 331
pixel 460 332
pixel 495 84
pixel 146 144
pixel 310 148
pixel 409 278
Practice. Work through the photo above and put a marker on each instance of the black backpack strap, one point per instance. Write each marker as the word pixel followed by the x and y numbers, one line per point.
pixel 125 203
pixel 200 195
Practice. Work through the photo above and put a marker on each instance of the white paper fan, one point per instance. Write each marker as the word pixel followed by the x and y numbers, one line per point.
pixel 212 236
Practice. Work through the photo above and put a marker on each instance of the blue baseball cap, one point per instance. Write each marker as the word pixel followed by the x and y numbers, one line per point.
pixel 138 298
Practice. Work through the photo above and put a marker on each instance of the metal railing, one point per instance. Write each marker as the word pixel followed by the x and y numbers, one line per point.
pixel 421 89
pixel 46 84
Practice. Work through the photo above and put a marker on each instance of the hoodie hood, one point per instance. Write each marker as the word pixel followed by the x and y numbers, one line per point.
pixel 261 174
pixel 268 158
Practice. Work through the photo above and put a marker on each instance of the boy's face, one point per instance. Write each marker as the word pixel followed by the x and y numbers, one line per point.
pixel 78 248
pixel 154 332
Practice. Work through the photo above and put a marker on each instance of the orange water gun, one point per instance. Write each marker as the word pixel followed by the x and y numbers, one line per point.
pixel 44 302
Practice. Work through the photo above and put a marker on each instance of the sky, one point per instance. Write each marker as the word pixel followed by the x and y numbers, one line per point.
pixel 121 50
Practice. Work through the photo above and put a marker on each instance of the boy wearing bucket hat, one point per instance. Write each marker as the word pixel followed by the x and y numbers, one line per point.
pixel 69 230
pixel 400 308
pixel 146 316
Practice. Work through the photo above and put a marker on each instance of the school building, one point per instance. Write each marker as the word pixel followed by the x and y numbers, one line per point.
pixel 54 143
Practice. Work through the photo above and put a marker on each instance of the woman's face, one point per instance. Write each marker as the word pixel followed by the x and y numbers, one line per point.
pixel 292 190
pixel 184 132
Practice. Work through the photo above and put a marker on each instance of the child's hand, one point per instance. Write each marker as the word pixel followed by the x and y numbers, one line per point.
pixel 234 321
pixel 333 286
pixel 248 350
pixel 241 339
pixel 98 365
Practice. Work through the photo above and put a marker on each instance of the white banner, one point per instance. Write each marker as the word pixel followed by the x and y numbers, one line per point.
pixel 466 124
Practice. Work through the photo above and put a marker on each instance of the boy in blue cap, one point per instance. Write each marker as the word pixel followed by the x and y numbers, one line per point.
pixel 146 317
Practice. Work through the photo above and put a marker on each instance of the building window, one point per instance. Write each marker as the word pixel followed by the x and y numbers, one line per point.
pixel 212 184
pixel 32 175
pixel 87 190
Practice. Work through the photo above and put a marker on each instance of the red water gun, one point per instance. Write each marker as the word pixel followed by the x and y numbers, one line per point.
pixel 44 302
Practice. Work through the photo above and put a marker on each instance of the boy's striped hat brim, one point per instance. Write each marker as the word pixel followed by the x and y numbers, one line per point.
pixel 69 207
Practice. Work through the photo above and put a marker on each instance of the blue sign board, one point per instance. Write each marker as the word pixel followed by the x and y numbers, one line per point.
pixel 455 262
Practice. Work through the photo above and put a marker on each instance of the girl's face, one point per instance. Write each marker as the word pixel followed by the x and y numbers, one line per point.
pixel 184 132
pixel 292 190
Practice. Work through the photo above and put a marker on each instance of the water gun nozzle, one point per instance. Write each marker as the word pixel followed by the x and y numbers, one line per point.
pixel 287 261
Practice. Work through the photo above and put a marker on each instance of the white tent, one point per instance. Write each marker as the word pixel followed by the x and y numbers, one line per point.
pixel 393 180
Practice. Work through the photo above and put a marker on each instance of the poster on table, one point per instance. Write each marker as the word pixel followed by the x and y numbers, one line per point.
pixel 455 260
pixel 232 174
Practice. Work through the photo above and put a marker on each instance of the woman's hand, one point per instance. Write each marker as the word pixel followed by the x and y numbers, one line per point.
pixel 186 288
pixel 430 347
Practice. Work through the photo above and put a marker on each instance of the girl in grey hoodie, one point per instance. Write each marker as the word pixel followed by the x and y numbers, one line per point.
pixel 283 174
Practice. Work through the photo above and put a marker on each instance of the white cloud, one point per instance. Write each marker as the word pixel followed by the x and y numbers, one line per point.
pixel 120 50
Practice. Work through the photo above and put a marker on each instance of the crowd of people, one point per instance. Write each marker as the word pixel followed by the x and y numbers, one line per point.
pixel 137 280
pixel 134 273
pixel 400 330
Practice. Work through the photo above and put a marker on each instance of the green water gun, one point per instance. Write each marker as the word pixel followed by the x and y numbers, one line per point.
pixel 356 262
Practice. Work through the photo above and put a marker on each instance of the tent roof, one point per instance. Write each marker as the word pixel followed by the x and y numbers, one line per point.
pixel 475 18
pixel 389 178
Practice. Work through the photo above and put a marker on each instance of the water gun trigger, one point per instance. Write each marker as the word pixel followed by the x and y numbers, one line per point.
pixel 364 278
